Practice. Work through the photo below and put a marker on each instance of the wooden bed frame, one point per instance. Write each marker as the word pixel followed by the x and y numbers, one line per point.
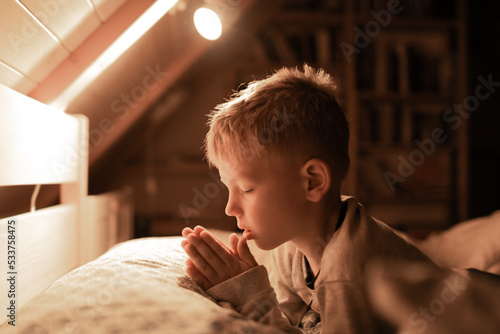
pixel 41 145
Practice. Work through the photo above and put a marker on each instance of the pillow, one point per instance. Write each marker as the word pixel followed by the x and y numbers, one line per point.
pixel 138 286
pixel 471 244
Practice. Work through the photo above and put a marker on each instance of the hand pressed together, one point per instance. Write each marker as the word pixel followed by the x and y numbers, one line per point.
pixel 210 261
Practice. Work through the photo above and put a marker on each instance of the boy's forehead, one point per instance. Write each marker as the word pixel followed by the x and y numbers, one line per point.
pixel 255 168
pixel 232 168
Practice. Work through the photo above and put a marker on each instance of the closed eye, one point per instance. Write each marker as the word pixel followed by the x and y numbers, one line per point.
pixel 246 191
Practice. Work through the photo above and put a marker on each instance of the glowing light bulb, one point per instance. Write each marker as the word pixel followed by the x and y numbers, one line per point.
pixel 208 23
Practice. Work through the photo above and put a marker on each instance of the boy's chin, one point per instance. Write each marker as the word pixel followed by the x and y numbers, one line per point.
pixel 266 245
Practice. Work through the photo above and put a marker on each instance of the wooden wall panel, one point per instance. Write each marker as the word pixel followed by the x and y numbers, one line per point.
pixel 105 8
pixel 74 71
pixel 25 45
pixel 71 21
pixel 44 250
pixel 108 221
pixel 15 80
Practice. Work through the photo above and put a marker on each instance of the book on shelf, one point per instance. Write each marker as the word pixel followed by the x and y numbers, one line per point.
pixel 415 9
pixel 397 174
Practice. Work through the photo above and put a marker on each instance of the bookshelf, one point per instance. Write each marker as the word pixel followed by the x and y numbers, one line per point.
pixel 411 159
pixel 400 67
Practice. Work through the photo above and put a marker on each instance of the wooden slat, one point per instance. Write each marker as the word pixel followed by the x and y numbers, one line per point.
pixel 105 8
pixel 15 80
pixel 77 63
pixel 38 144
pixel 45 249
pixel 76 192
pixel 99 219
pixel 71 21
pixel 108 220
pixel 25 45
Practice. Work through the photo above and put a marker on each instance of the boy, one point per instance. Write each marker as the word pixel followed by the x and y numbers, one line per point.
pixel 281 148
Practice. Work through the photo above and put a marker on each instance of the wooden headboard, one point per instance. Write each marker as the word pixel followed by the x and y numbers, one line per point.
pixel 40 145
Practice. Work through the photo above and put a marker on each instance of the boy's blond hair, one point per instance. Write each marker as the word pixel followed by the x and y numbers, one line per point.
pixel 292 114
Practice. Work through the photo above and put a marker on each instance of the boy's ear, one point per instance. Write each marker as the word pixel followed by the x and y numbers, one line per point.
pixel 317 179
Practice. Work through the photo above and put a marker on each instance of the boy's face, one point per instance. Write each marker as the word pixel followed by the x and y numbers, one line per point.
pixel 267 199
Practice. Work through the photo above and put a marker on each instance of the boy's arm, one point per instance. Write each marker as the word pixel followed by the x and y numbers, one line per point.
pixel 345 308
pixel 233 276
pixel 251 295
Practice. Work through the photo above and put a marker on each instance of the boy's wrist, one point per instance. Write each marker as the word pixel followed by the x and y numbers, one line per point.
pixel 242 288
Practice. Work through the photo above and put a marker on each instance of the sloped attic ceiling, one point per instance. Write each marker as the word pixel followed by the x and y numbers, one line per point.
pixel 76 75
pixel 37 36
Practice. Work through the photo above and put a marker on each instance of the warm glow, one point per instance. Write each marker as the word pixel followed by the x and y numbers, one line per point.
pixel 208 23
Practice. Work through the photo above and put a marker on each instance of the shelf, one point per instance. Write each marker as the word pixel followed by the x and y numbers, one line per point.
pixel 395 148
pixel 395 92
pixel 411 23
pixel 256 66
pixel 312 19
pixel 176 167
pixel 413 202
pixel 414 98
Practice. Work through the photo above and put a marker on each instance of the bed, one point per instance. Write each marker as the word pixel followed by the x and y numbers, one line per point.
pixel 73 269
pixel 140 286
pixel 56 277
pixel 43 146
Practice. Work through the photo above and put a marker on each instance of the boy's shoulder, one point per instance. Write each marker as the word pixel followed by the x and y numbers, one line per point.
pixel 359 239
pixel 362 238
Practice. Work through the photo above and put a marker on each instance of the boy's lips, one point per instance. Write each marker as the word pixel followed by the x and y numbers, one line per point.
pixel 247 234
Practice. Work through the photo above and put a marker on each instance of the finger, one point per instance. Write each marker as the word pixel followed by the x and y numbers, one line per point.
pixel 245 254
pixel 201 263
pixel 184 243
pixel 213 237
pixel 233 243
pixel 186 231
pixel 218 257
pixel 198 229
pixel 221 250
pixel 196 276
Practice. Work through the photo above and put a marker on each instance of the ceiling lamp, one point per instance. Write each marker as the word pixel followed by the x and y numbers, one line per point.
pixel 208 23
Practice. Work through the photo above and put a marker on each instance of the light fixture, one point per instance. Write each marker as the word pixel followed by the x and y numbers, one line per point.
pixel 208 23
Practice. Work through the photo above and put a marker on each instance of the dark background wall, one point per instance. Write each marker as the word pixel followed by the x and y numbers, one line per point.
pixel 166 167
pixel 484 130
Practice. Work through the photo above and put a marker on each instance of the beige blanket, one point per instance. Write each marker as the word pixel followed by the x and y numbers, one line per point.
pixel 136 287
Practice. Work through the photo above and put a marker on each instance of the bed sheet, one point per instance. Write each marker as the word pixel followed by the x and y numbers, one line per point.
pixel 138 286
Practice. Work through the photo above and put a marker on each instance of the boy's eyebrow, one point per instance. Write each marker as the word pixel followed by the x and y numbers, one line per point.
pixel 227 183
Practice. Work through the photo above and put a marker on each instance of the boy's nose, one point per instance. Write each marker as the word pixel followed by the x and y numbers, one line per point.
pixel 232 207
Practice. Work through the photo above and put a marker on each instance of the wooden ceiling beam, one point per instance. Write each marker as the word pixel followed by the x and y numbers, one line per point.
pixel 89 50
